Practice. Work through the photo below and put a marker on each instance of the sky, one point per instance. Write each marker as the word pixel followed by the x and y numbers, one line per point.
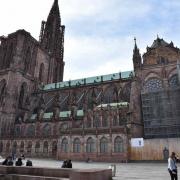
pixel 99 35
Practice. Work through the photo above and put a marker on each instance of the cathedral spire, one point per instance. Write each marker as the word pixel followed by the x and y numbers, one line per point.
pixel 52 40
pixel 136 56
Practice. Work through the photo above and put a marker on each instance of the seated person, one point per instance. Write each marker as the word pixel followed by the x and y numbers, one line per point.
pixel 28 163
pixel 19 162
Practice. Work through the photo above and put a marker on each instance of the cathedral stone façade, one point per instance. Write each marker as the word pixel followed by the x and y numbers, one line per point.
pixel 43 116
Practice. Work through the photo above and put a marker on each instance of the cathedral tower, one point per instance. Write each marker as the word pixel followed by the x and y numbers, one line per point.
pixel 52 40
pixel 136 57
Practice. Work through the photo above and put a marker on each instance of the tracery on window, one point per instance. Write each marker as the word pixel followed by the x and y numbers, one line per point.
pixel 173 81
pixel 152 85
pixel 45 147
pixel 77 145
pixel 30 131
pixel 2 91
pixel 103 145
pixel 37 147
pixel 46 130
pixel 90 145
pixel 64 145
pixel 118 145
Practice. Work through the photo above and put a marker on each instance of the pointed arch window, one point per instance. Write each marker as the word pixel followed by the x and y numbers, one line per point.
pixel 45 147
pixel 37 147
pixel 103 145
pixel 118 145
pixel 46 130
pixel 77 145
pixel 153 85
pixel 30 131
pixel 9 56
pixel 29 147
pixel 8 147
pixel 41 73
pixel 1 147
pixel 22 147
pixel 22 95
pixel 2 90
pixel 90 145
pixel 27 61
pixel 173 81
pixel 64 145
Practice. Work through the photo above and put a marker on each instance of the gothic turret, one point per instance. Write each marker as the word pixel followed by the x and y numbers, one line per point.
pixel 52 40
pixel 136 57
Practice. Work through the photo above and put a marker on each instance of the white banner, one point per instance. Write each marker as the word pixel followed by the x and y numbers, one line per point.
pixel 137 142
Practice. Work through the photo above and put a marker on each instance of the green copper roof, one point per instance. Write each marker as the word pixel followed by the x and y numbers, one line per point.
pixel 89 80
pixel 120 104
pixel 63 114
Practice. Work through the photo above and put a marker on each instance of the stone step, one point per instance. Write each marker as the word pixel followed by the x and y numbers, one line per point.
pixel 29 177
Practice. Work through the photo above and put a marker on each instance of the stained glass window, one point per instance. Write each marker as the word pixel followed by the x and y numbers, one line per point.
pixel 45 147
pixel 46 130
pixel 118 144
pixel 77 146
pixel 103 145
pixel 1 147
pixel 30 131
pixel 153 85
pixel 90 146
pixel 173 81
pixel 64 145
pixel 37 147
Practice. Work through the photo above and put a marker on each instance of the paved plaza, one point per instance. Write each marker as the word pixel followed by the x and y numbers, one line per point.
pixel 125 171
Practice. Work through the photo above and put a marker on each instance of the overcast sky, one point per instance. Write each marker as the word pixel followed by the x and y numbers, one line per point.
pixel 99 33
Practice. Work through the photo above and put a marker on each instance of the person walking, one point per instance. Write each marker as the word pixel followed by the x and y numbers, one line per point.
pixel 172 167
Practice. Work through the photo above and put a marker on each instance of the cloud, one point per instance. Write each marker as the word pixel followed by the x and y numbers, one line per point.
pixel 99 33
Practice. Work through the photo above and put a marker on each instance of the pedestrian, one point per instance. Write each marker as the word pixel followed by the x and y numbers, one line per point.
pixel 69 164
pixel 5 162
pixel 172 167
pixel 28 163
pixel 19 162
pixel 64 165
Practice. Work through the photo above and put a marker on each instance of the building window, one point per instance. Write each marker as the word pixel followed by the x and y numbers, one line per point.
pixel 104 145
pixel 105 119
pixel 153 85
pixel 90 145
pixel 118 145
pixel 7 147
pixel 17 131
pixel 45 147
pixel 77 145
pixel 173 81
pixel 1 147
pixel 2 91
pixel 41 73
pixel 22 147
pixel 30 131
pixel 96 120
pixel 27 60
pixel 37 147
pixel 54 147
pixel 22 95
pixel 29 147
pixel 64 145
pixel 46 130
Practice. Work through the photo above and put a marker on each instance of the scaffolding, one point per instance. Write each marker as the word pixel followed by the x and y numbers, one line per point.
pixel 161 113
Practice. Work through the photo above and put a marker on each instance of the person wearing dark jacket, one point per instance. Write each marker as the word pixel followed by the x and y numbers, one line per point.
pixel 29 163
pixel 69 164
pixel 19 162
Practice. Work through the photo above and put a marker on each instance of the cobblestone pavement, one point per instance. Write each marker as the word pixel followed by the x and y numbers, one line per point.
pixel 124 171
